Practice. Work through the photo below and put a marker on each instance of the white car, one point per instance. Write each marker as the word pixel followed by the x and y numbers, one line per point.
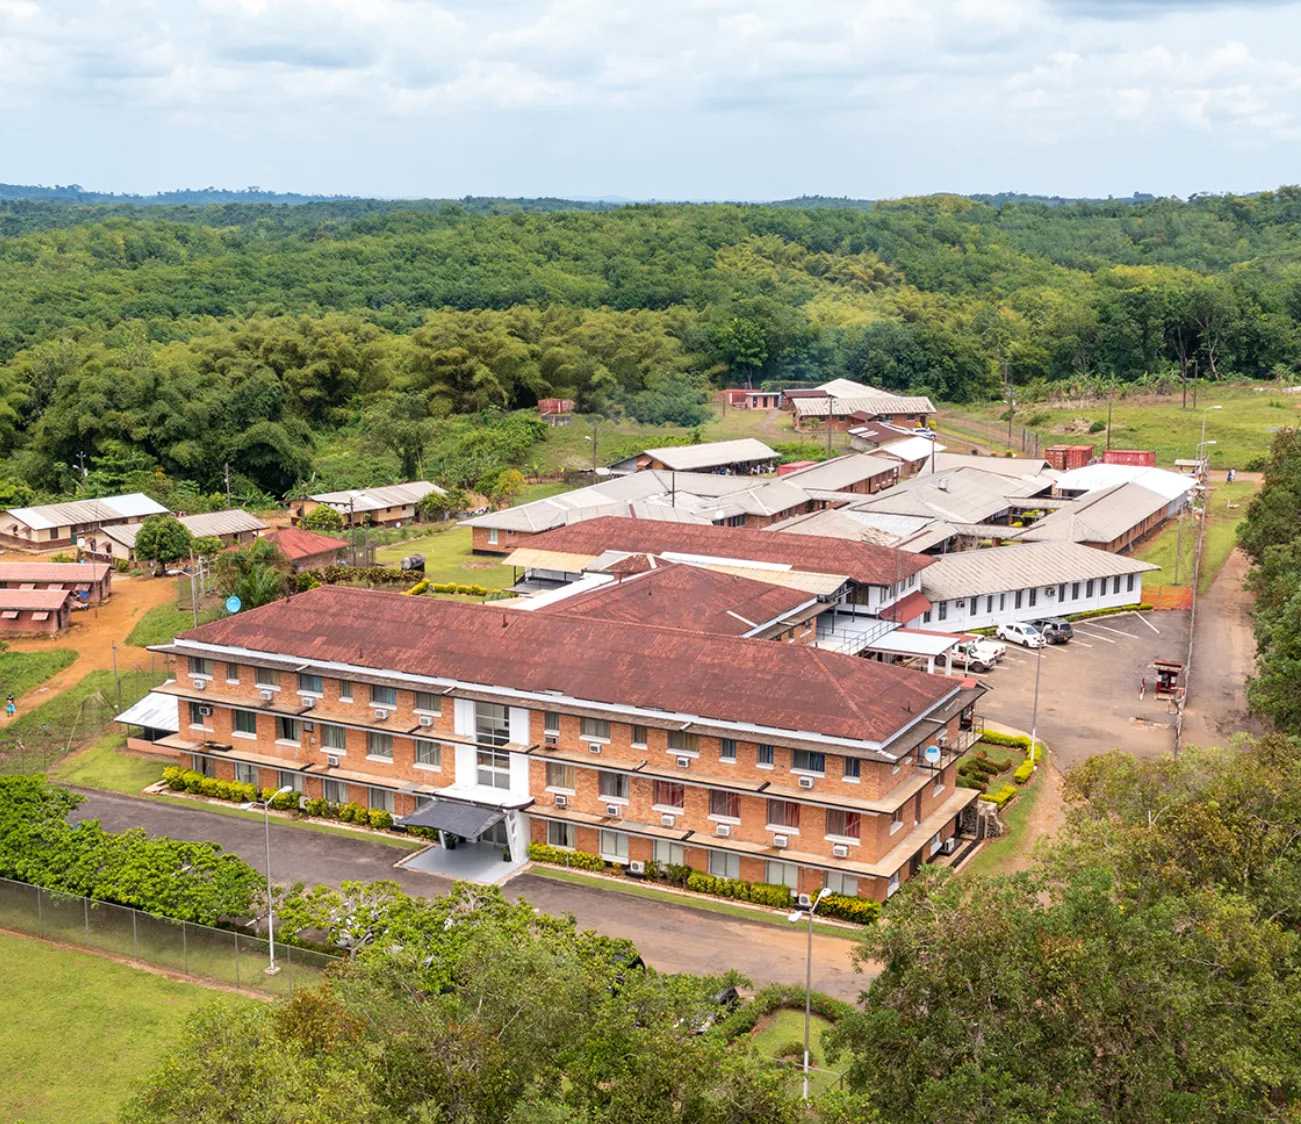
pixel 978 655
pixel 1026 635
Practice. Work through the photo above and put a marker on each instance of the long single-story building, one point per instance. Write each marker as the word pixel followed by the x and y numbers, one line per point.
pixel 985 588
pixel 745 456
pixel 308 550
pixel 65 524
pixel 846 404
pixel 381 506
pixel 854 473
pixel 35 610
pixel 233 527
pixel 90 581
pixel 1115 519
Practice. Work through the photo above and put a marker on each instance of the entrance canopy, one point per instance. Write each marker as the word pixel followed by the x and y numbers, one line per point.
pixel 467 820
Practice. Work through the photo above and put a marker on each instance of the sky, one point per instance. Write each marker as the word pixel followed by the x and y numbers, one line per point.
pixel 664 99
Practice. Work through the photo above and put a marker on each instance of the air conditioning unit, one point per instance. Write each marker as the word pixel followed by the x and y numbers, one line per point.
pixel 636 866
pixel 723 830
pixel 684 762
pixel 1051 591
pixel 551 739
pixel 594 747
pixel 331 761
pixel 426 720
pixel 266 696
pixel 806 782
pixel 560 801
pixel 840 851
pixel 780 840
pixel 942 738
pixel 205 711
pixel 308 702
pixel 612 810
pixel 950 845
pixel 667 820
pixel 309 727
pixel 198 684
pixel 804 901
pixel 380 713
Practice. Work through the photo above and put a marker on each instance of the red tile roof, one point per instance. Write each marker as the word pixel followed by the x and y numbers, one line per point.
pixel 865 563
pixel 687 597
pixel 787 687
pixel 72 572
pixel 295 543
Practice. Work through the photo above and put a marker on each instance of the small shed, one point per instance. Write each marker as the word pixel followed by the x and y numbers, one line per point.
pixel 556 411
pixel 35 610
pixel 154 717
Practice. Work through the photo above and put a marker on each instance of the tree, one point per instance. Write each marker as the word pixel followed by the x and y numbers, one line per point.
pixel 208 546
pixel 506 487
pixel 401 425
pixel 163 539
pixel 444 503
pixel 257 574
pixel 323 518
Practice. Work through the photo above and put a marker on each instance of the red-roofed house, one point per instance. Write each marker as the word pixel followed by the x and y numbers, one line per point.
pixel 307 550
pixel 35 610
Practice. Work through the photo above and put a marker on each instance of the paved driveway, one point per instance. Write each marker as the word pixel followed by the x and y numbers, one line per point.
pixel 671 938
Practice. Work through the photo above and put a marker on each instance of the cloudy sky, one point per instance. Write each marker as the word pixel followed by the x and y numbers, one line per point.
pixel 671 99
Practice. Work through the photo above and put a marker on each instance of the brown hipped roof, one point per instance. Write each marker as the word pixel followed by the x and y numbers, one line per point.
pixel 73 572
pixel 688 597
pixel 295 543
pixel 785 687
pixel 866 564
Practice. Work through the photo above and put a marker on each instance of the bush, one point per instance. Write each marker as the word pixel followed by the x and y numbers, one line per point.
pixel 677 874
pixel 1002 796
pixel 1097 427
pixel 971 782
pixel 1142 607
pixel 766 893
pixel 863 911
pixel 1024 772
pixel 789 1050
pixel 578 860
pixel 380 819
pixel 315 807
pixel 774 997
pixel 421 587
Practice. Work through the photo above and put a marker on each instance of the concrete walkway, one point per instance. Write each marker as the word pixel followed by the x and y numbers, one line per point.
pixel 671 938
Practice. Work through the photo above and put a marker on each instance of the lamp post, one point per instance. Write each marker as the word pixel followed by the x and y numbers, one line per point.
pixel 272 968
pixel 1204 413
pixel 794 919
pixel 1034 713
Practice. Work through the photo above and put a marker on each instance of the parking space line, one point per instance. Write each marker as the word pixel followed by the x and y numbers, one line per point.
pixel 1118 631
pixel 1139 616
pixel 1082 643
pixel 1095 636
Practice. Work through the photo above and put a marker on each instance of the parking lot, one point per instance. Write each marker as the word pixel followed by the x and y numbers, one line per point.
pixel 1089 688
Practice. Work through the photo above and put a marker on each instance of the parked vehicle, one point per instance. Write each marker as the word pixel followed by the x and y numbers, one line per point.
pixel 1024 634
pixel 978 655
pixel 1054 629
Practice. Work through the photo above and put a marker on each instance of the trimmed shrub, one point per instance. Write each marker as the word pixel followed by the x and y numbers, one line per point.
pixel 381 819
pixel 1002 796
pixel 1025 772
pixel 789 1050
pixel 774 997
pixel 579 860
pixel 766 893
pixel 863 911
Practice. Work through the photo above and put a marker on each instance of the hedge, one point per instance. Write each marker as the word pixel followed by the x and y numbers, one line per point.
pixel 1024 772
pixel 582 860
pixel 1002 796
pixel 776 996
pixel 1142 607
pixel 1019 741
pixel 187 780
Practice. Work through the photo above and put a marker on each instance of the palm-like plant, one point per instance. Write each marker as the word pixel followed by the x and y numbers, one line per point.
pixel 257 574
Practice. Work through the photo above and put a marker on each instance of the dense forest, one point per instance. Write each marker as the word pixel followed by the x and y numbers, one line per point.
pixel 166 341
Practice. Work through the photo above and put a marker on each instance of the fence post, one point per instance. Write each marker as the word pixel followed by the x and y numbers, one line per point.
pixel 135 940
pixel 289 958
pixel 185 947
pixel 85 908
pixel 40 915
pixel 236 936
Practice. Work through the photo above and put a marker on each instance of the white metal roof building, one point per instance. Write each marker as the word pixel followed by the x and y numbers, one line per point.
pixel 878 403
pixel 58 522
pixel 234 525
pixel 1174 486
pixel 744 452
pixel 365 501
pixel 1117 515
pixel 842 473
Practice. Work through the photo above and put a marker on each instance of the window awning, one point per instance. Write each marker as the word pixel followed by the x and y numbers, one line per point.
pixel 468 820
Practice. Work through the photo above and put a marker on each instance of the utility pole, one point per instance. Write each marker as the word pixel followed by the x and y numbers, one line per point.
pixel 1109 399
pixel 116 680
pixel 228 503
pixel 194 600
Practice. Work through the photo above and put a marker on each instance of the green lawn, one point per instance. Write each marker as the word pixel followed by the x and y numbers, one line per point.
pixel 1221 536
pixel 108 764
pixel 1016 817
pixel 21 671
pixel 160 624
pixel 77 1031
pixel 448 559
pixel 785 1027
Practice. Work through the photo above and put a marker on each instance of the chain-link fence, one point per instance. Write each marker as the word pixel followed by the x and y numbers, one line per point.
pixel 178 946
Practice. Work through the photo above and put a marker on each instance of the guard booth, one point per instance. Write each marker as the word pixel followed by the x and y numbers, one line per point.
pixel 1169 674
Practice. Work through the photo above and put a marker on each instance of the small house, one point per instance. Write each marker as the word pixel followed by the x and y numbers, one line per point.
pixel 89 581
pixel 308 550
pixel 385 506
pixel 54 525
pixel 35 610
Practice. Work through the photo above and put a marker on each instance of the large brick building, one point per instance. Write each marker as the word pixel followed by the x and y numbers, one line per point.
pixel 752 759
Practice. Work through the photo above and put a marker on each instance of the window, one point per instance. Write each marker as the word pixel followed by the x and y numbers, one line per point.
pixel 847 825
pixel 614 846
pixel 723 864
pixel 1129 584
pixel 560 834
pixel 232 673
pixel 1061 592
pixel 892 885
pixel 782 874
pixel 1075 591
pixel 200 666
pixel 669 794
pixel 944 610
pixel 491 723
pixel 724 804
pixel 311 684
pixel 205 765
pixel 766 756
pixel 334 737
pixel 429 753
pixel 345 691
pixel 939 784
pixel 286 779
pixel 639 737
pixel 683 743
pixel 428 702
pixel 383 696
pixel 244 773
pixel 596 729
pixel 854 768
pixel 1017 596
pixel 1002 602
pixel 246 723
pixel 196 714
pixel 493 769
pixel 666 853
pixel 783 814
pixel 989 603
pixel 726 749
pixel 334 791
pixel 1088 588
pixel 896 820
pixel 561 776
pixel 614 786
pixel 806 762
pixel 550 722
pixel 379 745
pixel 1034 597
pixel 286 729
pixel 1115 585
pixel 267 677
pixel 845 884
pixel 926 617
pixel 492 536
pixel 381 799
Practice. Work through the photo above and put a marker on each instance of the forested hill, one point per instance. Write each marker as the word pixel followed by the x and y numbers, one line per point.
pixel 175 339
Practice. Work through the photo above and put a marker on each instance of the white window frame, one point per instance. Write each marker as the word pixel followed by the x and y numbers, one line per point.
pixel 836 881
pixel 855 777
pixel 436 765
pixel 568 790
pixel 622 780
pixel 311 692
pixel 896 819
pixel 724 757
pixel 670 809
pixel 566 831
pixel 246 773
pixel 664 850
pixel 261 684
pixel 495 770
pixel 436 709
pixel 297 726
pixel 371 755
pixel 720 817
pixel 805 772
pixel 331 784
pixel 323 727
pixel 788 874
pixel 613 854
pixel 892 886
pixel 386 797
pixel 604 739
pixel 847 840
pixel 235 731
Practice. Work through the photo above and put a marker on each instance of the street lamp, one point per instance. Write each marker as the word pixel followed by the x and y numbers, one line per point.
pixel 794 919
pixel 272 968
pixel 1204 413
pixel 1034 713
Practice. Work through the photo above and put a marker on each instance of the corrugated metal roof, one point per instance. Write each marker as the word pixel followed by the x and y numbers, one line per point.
pixel 848 388
pixel 563 562
pixel 880 403
pixel 833 525
pixel 1003 466
pixel 841 472
pixel 373 499
pixel 752 682
pixel 712 454
pixel 1094 477
pixel 158 712
pixel 46 599
pixel 231 522
pixel 296 543
pixel 908 449
pixel 1102 516
pixel 998 569
pixel 74 573
pixel 78 512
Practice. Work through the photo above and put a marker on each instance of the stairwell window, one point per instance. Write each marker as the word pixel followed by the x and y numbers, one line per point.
pixel 491 723
pixel 493 769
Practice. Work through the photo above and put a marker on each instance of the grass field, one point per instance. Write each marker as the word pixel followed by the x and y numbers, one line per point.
pixel 107 764
pixel 448 559
pixel 1242 428
pixel 1221 537
pixel 785 1027
pixel 160 624
pixel 77 1031
pixel 21 671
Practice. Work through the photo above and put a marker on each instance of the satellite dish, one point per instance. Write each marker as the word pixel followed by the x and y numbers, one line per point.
pixel 932 755
pixel 233 604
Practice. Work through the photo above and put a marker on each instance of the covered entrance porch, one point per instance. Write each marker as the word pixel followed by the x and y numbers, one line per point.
pixel 484 843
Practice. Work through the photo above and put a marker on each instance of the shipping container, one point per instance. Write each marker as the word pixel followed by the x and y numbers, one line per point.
pixel 1145 458
pixel 1066 457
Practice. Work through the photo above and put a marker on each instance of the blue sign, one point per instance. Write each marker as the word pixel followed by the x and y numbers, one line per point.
pixel 932 755
pixel 233 604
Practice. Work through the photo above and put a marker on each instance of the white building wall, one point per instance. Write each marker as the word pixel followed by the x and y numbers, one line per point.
pixel 992 609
